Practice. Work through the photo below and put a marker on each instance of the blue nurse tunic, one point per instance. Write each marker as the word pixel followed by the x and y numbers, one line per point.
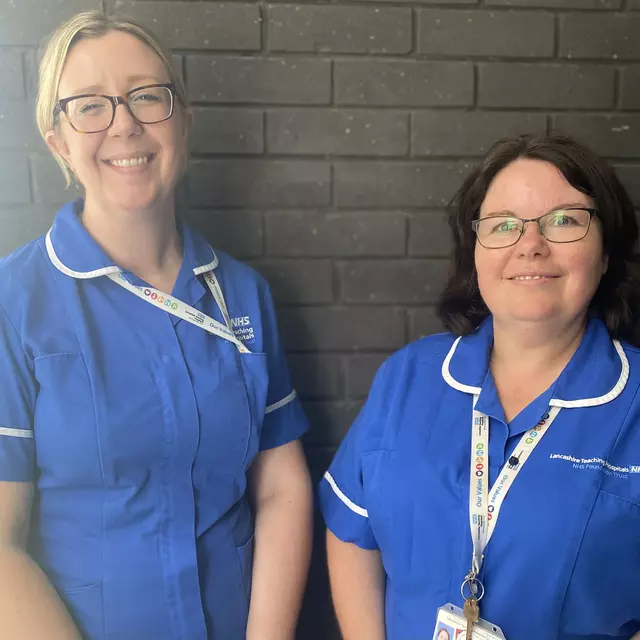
pixel 564 559
pixel 138 429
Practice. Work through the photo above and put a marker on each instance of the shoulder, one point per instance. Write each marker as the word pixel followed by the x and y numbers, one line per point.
pixel 235 272
pixel 22 272
pixel 417 364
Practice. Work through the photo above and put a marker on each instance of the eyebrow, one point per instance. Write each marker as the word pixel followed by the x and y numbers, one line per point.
pixel 558 207
pixel 132 81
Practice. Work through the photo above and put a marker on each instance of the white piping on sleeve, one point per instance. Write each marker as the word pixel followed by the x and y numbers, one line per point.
pixel 352 505
pixel 281 403
pixel 16 433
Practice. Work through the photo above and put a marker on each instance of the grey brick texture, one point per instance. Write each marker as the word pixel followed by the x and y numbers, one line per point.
pixel 328 139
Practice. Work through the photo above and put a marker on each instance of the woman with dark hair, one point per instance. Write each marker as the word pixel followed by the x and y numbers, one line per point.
pixel 496 467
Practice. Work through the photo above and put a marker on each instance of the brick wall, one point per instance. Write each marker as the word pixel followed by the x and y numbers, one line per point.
pixel 329 136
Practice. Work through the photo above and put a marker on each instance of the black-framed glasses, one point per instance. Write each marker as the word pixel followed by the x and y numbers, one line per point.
pixel 562 225
pixel 91 112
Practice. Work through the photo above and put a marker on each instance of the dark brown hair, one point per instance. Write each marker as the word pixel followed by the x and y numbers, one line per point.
pixel 617 299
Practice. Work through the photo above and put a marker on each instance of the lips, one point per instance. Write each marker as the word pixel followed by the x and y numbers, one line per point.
pixel 526 277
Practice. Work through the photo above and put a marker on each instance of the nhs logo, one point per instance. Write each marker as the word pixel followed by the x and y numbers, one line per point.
pixel 634 468
pixel 242 328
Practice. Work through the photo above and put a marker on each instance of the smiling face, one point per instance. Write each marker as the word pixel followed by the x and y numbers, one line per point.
pixel 536 280
pixel 130 166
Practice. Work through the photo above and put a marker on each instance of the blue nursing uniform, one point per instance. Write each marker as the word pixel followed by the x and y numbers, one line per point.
pixel 138 429
pixel 564 559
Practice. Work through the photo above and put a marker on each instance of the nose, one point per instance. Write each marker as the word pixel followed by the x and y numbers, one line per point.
pixel 532 242
pixel 124 124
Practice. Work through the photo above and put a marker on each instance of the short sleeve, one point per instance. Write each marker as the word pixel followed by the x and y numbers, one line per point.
pixel 342 492
pixel 18 390
pixel 284 419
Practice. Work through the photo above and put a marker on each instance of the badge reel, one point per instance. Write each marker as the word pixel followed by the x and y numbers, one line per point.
pixel 451 623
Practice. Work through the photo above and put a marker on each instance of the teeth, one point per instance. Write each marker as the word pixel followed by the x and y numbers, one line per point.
pixel 130 162
pixel 531 277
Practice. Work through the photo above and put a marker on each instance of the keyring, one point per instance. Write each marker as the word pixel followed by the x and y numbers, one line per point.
pixel 475 586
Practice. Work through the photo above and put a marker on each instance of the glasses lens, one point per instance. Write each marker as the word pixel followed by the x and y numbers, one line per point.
pixel 566 225
pixel 152 104
pixel 498 231
pixel 90 113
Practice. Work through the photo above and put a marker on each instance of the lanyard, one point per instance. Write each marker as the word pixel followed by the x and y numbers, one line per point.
pixel 485 504
pixel 184 311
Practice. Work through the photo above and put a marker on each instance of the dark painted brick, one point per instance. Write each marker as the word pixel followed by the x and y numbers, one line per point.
pixel 337 132
pixel 393 282
pixel 335 29
pixel 455 3
pixel 259 80
pixel 402 184
pixel 299 281
pixel 14 179
pixel 423 322
pixel 616 136
pixel 330 421
pixel 345 329
pixel 23 23
pixel 408 83
pixel 220 183
pixel 335 234
pixel 517 34
pixel 315 376
pixel 22 224
pixel 236 131
pixel 198 25
pixel 468 133
pixel 600 36
pixel 629 175
pixel 559 4
pixel 634 4
pixel 49 183
pixel 630 87
pixel 551 86
pixel 429 235
pixel 238 233
pixel 361 369
pixel 12 81
pixel 18 128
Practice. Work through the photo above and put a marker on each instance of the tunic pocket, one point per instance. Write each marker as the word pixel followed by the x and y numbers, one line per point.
pixel 245 558
pixel 85 606
pixel 603 595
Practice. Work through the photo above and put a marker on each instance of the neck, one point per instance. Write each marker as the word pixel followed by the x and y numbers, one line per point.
pixel 541 348
pixel 146 243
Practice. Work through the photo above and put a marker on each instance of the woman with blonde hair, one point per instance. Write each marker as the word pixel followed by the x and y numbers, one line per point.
pixel 151 480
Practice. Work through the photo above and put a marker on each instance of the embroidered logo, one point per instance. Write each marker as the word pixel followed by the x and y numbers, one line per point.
pixel 597 464
pixel 242 328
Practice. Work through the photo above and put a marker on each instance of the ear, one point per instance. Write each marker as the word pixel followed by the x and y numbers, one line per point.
pixel 58 145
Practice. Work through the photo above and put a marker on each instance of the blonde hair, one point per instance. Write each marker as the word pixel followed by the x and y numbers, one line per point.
pixel 89 24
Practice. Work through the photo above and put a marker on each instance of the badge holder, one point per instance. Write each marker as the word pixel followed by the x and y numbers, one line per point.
pixel 452 625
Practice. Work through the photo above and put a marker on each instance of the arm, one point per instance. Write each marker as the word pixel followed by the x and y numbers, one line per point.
pixel 30 608
pixel 281 492
pixel 357 588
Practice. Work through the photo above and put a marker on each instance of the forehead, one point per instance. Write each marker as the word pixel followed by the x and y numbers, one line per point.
pixel 529 188
pixel 114 63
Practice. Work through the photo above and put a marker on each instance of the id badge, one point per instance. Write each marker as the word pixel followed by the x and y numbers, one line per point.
pixel 451 625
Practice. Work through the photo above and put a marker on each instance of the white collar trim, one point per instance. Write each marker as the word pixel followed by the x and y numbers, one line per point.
pixel 96 273
pixel 555 402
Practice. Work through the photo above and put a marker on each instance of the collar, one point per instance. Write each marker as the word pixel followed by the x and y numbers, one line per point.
pixel 75 253
pixel 466 367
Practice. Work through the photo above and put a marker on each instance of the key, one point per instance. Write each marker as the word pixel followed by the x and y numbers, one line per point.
pixel 471 612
